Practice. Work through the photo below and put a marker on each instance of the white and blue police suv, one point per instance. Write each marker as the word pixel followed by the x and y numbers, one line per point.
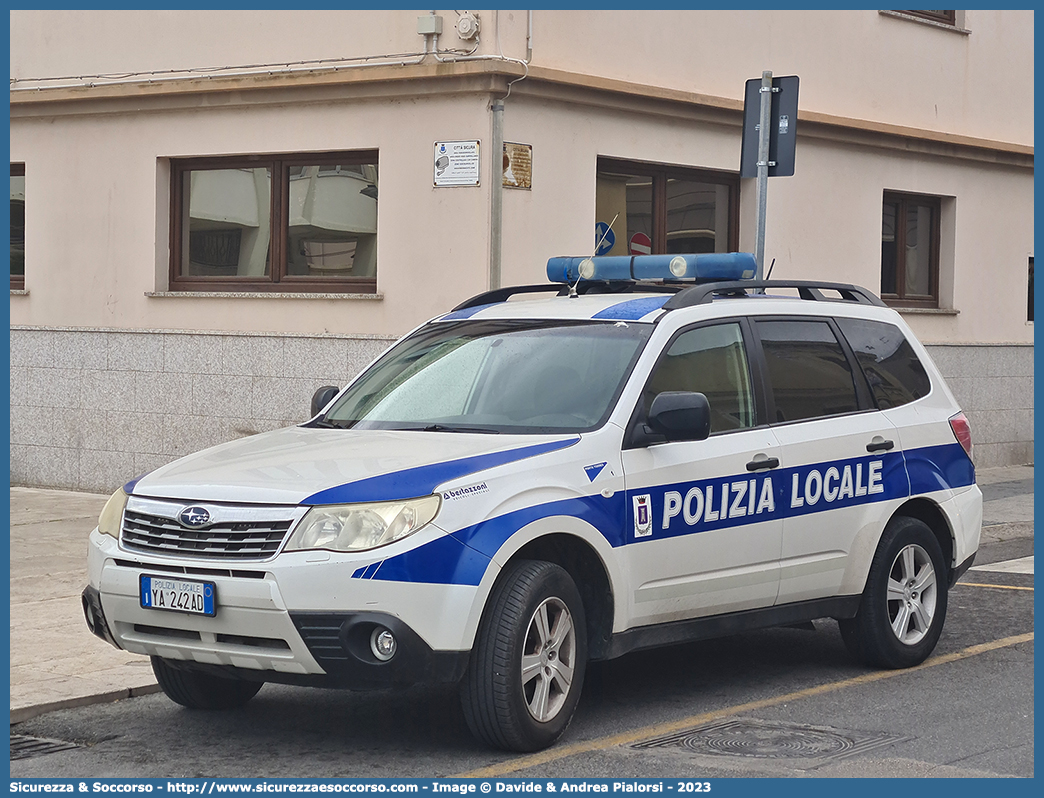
pixel 662 449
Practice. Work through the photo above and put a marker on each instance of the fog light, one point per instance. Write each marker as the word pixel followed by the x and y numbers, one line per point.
pixel 383 644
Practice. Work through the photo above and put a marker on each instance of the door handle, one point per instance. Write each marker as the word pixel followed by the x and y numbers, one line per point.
pixel 879 444
pixel 761 461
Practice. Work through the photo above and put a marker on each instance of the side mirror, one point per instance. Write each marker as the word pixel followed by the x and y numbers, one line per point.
pixel 322 397
pixel 680 416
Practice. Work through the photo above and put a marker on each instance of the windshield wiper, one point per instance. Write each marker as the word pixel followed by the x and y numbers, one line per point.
pixel 327 424
pixel 444 428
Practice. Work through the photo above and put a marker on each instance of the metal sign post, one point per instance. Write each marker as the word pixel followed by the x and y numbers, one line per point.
pixel 769 141
pixel 763 165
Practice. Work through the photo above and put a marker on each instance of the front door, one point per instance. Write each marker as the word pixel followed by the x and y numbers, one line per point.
pixel 704 534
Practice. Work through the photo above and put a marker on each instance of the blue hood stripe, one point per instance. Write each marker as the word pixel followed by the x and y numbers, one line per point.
pixel 633 309
pixel 423 480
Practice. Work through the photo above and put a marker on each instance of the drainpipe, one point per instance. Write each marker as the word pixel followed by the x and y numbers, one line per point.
pixel 496 188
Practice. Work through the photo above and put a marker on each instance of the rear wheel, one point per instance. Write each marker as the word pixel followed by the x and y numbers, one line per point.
pixel 197 690
pixel 527 667
pixel 903 607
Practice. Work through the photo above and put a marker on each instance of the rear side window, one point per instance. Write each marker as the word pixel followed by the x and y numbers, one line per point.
pixel 891 367
pixel 808 371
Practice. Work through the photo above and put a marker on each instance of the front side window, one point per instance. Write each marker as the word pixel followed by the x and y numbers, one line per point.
pixel 18 225
pixel 661 209
pixel 809 375
pixel 895 375
pixel 712 361
pixel 287 223
pixel 495 376
pixel 910 250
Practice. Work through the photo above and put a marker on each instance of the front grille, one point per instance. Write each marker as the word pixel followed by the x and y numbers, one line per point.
pixel 227 540
pixel 192 570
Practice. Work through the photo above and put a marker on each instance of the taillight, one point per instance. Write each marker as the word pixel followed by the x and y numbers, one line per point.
pixel 962 431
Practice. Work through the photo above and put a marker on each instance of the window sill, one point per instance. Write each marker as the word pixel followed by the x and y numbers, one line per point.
pixel 925 311
pixel 256 295
pixel 922 21
pixel 19 292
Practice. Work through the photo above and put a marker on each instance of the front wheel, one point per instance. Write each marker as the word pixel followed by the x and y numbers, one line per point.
pixel 527 667
pixel 903 607
pixel 197 690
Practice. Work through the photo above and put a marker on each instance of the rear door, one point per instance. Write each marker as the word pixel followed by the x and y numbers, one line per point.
pixel 842 459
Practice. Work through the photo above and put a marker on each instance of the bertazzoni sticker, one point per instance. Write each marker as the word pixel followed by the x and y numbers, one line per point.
pixel 464 493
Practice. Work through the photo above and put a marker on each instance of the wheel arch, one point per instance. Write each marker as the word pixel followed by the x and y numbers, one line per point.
pixel 930 514
pixel 590 576
pixel 584 553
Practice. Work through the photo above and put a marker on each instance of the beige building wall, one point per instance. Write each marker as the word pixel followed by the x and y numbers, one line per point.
pixel 113 374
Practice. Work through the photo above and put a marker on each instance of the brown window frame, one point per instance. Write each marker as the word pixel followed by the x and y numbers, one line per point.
pixel 660 173
pixel 942 17
pixel 278 280
pixel 900 299
pixel 18 280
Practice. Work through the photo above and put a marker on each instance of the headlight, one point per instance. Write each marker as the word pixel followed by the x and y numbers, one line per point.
pixel 112 514
pixel 356 527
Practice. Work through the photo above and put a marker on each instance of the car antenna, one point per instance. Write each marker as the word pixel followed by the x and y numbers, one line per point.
pixel 572 288
pixel 767 276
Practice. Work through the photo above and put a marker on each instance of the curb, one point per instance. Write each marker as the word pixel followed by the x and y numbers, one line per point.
pixel 27 713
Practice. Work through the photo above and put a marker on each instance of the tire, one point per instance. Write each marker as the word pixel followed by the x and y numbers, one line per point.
pixel 527 667
pixel 197 690
pixel 903 607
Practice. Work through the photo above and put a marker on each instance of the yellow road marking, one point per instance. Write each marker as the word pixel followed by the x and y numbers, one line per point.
pixel 999 587
pixel 637 735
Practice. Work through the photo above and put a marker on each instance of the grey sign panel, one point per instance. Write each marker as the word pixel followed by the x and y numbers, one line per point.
pixel 782 131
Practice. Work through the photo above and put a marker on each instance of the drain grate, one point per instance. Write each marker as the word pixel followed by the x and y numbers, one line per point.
pixel 772 740
pixel 26 747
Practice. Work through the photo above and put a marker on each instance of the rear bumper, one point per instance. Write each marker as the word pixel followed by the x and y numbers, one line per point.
pixel 960 570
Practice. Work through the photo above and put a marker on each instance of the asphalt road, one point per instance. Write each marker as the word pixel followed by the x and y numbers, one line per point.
pixel 779 702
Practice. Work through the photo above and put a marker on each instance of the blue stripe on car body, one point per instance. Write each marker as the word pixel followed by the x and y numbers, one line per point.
pixel 938 468
pixel 422 480
pixel 872 478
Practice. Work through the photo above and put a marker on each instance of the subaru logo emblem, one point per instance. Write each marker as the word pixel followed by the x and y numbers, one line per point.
pixel 194 517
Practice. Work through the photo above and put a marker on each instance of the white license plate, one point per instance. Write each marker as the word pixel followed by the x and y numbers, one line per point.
pixel 178 595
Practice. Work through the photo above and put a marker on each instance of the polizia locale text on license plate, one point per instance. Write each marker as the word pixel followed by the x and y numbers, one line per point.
pixel 178 595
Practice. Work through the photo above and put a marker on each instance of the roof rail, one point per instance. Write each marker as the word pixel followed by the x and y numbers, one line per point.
pixel 583 287
pixel 685 294
pixel 807 289
pixel 503 294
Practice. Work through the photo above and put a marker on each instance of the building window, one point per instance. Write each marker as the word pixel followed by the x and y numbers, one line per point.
pixel 945 17
pixel 910 250
pixel 663 209
pixel 17 226
pixel 275 223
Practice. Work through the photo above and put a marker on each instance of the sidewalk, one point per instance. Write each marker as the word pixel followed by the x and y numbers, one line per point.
pixel 56 663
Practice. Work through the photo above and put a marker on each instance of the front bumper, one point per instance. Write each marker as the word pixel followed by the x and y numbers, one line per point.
pixel 291 619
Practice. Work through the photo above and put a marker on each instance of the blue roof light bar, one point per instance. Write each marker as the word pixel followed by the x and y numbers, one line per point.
pixel 702 268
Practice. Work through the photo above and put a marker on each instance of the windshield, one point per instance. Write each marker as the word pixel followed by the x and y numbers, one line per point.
pixel 495 376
